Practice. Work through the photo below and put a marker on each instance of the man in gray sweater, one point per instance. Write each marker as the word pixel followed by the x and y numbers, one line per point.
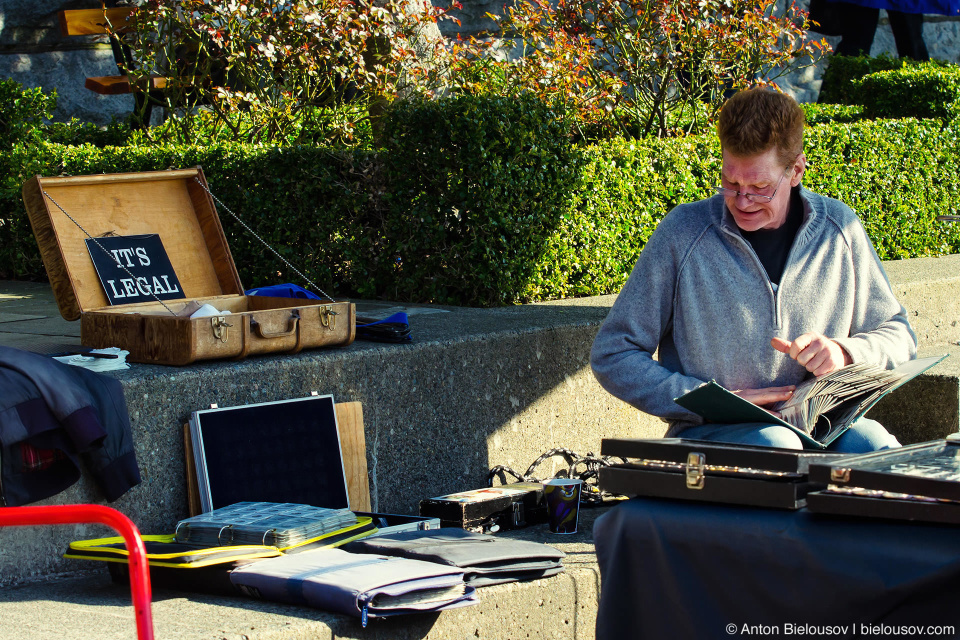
pixel 758 287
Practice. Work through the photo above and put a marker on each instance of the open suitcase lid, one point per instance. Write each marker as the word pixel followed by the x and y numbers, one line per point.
pixel 169 203
pixel 927 469
pixel 716 454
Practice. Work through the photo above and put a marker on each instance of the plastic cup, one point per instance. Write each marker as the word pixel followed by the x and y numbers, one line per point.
pixel 563 504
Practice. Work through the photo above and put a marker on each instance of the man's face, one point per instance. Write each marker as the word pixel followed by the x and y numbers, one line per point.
pixel 762 174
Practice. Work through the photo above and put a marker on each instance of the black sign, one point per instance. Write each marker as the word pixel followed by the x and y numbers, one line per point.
pixel 134 269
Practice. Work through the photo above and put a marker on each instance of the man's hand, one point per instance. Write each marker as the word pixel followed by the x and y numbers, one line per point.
pixel 768 395
pixel 816 352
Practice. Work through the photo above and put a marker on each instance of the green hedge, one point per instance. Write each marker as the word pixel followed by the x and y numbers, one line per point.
pixel 22 112
pixel 832 113
pixel 485 201
pixel 476 187
pixel 911 92
pixel 899 175
pixel 839 77
pixel 302 200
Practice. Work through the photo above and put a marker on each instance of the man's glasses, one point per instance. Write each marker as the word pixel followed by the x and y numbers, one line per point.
pixel 752 197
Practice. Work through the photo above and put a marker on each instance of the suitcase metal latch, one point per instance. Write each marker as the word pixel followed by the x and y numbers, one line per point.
pixel 695 468
pixel 328 318
pixel 517 517
pixel 219 325
pixel 840 474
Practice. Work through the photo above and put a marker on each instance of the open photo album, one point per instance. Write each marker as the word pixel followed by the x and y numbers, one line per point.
pixel 821 408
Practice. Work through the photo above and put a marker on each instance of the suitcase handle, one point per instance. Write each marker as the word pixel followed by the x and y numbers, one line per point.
pixel 245 338
pixel 293 327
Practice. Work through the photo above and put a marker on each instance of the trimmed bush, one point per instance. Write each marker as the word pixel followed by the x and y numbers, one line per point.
pixel 899 175
pixel 25 119
pixel 301 200
pixel 485 201
pixel 831 113
pixel 623 190
pixel 911 92
pixel 842 71
pixel 22 112
pixel 475 187
pixel 76 132
pixel 839 84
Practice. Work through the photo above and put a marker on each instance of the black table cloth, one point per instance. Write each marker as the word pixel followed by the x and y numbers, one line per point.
pixel 677 569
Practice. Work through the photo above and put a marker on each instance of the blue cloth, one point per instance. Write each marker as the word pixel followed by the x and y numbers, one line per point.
pixel 686 570
pixel 941 7
pixel 283 291
pixel 399 317
pixel 395 329
pixel 863 436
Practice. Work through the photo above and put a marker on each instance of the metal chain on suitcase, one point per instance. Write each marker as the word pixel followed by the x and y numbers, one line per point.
pixel 101 247
pixel 227 209
pixel 262 241
pixel 585 468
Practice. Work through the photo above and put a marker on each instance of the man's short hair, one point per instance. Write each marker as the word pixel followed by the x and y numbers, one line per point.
pixel 755 120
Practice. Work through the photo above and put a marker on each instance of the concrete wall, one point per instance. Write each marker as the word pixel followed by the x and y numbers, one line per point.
pixel 477 388
pixel 926 408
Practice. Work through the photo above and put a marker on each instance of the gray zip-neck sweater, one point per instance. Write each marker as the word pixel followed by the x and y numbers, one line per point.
pixel 700 295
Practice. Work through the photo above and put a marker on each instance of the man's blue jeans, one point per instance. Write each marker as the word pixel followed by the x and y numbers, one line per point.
pixel 863 436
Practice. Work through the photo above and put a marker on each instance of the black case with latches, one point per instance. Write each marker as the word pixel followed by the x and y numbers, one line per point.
pixel 510 506
pixel 918 482
pixel 711 471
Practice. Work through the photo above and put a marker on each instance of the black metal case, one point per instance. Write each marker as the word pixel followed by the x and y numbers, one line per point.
pixel 917 482
pixel 710 471
pixel 509 506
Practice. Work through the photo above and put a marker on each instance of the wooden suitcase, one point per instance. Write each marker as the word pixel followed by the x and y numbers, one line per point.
pixel 175 205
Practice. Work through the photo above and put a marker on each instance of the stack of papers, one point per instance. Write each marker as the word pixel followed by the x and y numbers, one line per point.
pixel 116 359
pixel 273 524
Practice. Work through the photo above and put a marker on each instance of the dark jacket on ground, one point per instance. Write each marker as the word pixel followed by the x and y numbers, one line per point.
pixel 51 414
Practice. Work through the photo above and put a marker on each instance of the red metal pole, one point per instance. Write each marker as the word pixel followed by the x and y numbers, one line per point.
pixel 82 513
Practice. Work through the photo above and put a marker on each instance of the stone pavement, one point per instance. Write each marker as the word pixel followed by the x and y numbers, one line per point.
pixel 30 320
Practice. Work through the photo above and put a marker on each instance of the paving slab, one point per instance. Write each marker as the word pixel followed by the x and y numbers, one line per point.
pixel 17 317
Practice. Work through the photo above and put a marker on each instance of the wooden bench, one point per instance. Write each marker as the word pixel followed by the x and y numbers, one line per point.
pixel 113 21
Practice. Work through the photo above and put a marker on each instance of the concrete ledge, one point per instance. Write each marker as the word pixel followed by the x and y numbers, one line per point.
pixel 91 606
pixel 477 388
pixel 927 408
